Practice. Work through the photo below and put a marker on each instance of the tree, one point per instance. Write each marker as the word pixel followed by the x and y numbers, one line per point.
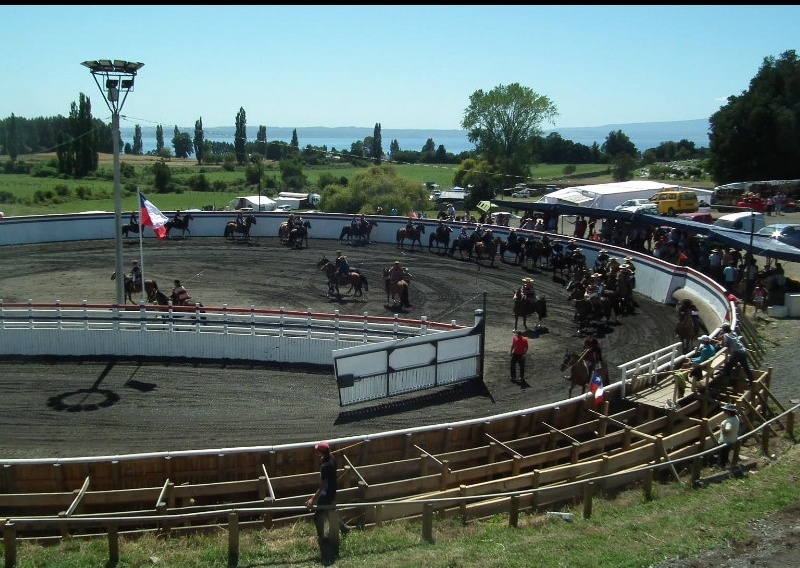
pixel 182 144
pixel 12 138
pixel 377 144
pixel 294 143
pixel 162 175
pixel 240 138
pixel 624 164
pixel 756 135
pixel 618 143
pixel 84 137
pixel 199 141
pixel 377 186
pixel 394 147
pixel 159 139
pixel 504 123
pixel 261 141
pixel 136 149
pixel 292 176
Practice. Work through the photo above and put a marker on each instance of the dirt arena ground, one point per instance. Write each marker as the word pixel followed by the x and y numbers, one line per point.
pixel 114 407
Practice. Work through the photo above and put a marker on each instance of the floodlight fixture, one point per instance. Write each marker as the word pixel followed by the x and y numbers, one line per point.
pixel 118 77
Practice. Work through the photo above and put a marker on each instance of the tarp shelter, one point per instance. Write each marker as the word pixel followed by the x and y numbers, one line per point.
pixel 609 195
pixel 252 202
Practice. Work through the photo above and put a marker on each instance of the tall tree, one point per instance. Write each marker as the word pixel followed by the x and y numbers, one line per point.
pixel 84 137
pixel 618 143
pixel 182 143
pixel 261 140
pixel 159 139
pixel 377 144
pixel 199 141
pixel 394 147
pixel 240 138
pixel 756 135
pixel 504 123
pixel 12 138
pixel 295 143
pixel 136 149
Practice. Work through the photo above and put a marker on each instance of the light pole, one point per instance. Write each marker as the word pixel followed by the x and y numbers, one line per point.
pixel 118 77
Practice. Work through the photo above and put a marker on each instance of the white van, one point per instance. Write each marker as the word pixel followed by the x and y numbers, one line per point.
pixel 742 221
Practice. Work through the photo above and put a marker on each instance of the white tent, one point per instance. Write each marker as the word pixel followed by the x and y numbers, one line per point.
pixel 609 195
pixel 252 203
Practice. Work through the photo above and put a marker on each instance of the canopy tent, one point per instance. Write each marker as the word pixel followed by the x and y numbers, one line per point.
pixel 486 206
pixel 598 196
pixel 253 202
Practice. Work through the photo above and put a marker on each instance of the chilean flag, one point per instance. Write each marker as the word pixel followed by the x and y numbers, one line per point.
pixel 596 387
pixel 150 216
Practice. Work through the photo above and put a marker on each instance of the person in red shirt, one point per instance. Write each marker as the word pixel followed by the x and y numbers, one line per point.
pixel 519 347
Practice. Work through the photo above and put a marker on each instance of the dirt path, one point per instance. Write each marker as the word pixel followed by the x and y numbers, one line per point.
pixel 94 408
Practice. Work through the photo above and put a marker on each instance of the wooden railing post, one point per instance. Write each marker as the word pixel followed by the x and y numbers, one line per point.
pixel 233 539
pixel 427 522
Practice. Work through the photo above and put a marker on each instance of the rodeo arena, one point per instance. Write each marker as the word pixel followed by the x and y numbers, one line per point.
pixel 172 413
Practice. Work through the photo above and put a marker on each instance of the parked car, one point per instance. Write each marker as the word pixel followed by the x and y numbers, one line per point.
pixel 788 233
pixel 648 208
pixel 742 221
pixel 624 206
pixel 522 193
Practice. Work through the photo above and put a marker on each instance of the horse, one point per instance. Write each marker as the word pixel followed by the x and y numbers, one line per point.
pixel 489 250
pixel 441 236
pixel 150 288
pixel 414 234
pixel 360 231
pixel 399 289
pixel 463 244
pixel 231 228
pixel 534 251
pixel 516 247
pixel 579 375
pixel 624 292
pixel 524 307
pixel 685 331
pixel 130 228
pixel 182 224
pixel 584 309
pixel 294 236
pixel 356 280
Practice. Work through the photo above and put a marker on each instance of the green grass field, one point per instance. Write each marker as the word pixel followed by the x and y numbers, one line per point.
pixel 64 195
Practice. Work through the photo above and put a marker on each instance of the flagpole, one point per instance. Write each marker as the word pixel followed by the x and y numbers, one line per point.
pixel 141 230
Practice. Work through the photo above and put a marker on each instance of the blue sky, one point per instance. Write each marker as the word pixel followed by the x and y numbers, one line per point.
pixel 400 66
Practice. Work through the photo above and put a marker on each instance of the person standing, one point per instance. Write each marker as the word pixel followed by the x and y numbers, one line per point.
pixel 728 433
pixel 325 497
pixel 519 348
pixel 737 353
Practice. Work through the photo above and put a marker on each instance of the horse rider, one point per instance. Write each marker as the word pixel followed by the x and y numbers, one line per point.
pixel 342 266
pixel 179 296
pixel 355 223
pixel 487 237
pixel 572 244
pixel 240 221
pixel 177 219
pixel 601 261
pixel 397 274
pixel 511 241
pixel 134 219
pixel 527 291
pixel 688 307
pixel 592 353
pixel 593 291
pixel 578 258
pixel 629 261
pixel 136 274
pixel 410 224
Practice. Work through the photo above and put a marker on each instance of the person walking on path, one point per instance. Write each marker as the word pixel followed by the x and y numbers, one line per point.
pixel 519 348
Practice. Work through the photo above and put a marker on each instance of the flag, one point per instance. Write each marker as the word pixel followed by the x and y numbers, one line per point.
pixel 596 387
pixel 151 217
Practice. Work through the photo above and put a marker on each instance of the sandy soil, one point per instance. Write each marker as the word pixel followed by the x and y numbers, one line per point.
pixel 102 407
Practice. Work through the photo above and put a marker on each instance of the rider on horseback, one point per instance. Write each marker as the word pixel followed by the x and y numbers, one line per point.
pixel 240 222
pixel 601 260
pixel 592 353
pixel 177 219
pixel 687 307
pixel 134 218
pixel 594 290
pixel 342 266
pixel 136 275
pixel 180 297
pixel 396 273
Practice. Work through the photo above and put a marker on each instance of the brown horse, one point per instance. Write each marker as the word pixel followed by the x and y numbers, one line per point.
pixel 524 307
pixel 356 280
pixel 414 234
pixel 579 371
pixel 398 289
pixel 150 288
pixel 488 250
pixel 231 228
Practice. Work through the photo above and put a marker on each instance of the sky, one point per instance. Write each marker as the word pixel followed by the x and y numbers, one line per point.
pixel 401 66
